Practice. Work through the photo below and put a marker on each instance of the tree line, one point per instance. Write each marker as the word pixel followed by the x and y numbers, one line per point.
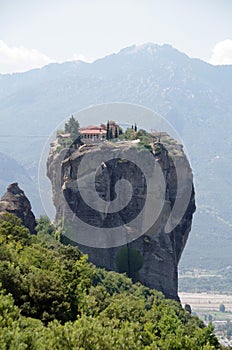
pixel 52 298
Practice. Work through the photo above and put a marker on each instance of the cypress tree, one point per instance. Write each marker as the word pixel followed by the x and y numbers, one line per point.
pixel 108 130
pixel 110 134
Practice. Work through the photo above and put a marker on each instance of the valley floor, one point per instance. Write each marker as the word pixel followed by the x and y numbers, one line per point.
pixel 206 306
pixel 207 301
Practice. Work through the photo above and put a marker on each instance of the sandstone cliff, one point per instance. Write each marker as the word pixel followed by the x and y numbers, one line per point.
pixel 151 258
pixel 14 201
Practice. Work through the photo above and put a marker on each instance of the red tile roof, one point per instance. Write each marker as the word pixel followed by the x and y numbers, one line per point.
pixel 92 131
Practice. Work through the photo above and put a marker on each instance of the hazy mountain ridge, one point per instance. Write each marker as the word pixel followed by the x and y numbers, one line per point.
pixel 13 171
pixel 193 95
pixel 10 169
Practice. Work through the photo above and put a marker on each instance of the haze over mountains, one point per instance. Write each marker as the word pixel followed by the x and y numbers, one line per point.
pixel 195 97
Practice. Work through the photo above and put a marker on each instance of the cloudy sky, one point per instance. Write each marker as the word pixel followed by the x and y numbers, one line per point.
pixel 35 33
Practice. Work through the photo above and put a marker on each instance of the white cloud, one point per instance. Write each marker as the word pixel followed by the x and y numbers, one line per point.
pixel 222 53
pixel 20 59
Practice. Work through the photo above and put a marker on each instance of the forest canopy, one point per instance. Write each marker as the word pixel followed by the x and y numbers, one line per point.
pixel 52 298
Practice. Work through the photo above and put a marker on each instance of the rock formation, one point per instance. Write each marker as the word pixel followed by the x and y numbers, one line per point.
pixel 14 201
pixel 151 258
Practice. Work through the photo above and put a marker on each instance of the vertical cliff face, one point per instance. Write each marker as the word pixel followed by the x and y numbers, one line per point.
pixel 14 201
pixel 151 257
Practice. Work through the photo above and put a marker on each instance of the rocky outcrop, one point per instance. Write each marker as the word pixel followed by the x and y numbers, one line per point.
pixel 151 257
pixel 14 201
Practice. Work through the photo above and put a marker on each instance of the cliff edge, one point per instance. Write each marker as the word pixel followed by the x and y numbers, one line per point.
pixel 151 257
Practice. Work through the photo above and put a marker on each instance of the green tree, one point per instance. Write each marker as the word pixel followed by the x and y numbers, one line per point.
pixel 108 130
pixel 187 307
pixel 116 133
pixel 129 134
pixel 72 127
pixel 44 225
pixel 129 260
pixel 13 232
pixel 81 306
pixel 111 134
pixel 222 308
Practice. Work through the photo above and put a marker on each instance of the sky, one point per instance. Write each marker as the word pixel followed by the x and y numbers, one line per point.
pixel 35 33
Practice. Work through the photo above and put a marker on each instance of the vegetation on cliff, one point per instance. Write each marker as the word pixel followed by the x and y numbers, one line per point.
pixel 70 136
pixel 52 298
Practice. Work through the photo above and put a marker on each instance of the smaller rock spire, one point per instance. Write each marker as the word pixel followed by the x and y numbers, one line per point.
pixel 14 201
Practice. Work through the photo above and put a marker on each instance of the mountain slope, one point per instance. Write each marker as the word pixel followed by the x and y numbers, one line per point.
pixel 193 95
pixel 52 298
pixel 12 171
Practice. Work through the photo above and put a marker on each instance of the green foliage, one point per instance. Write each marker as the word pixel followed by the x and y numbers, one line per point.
pixel 116 133
pixel 210 281
pixel 187 307
pixel 157 150
pixel 44 225
pixel 222 308
pixel 129 134
pixel 113 282
pixel 58 149
pixel 13 232
pixel 145 145
pixel 65 143
pixel 129 260
pixel 110 134
pixel 60 301
pixel 108 130
pixel 72 127
pixel 45 282
pixel 144 137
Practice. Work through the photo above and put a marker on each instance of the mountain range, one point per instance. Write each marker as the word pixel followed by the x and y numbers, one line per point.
pixel 194 96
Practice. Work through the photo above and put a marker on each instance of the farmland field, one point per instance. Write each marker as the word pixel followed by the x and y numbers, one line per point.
pixel 206 307
pixel 206 301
